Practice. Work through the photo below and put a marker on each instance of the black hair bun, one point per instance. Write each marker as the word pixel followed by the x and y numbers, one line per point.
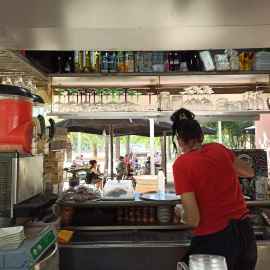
pixel 182 114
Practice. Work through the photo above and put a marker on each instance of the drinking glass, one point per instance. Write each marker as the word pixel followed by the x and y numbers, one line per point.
pixel 176 103
pixel 222 104
pixel 209 262
pixel 250 100
pixel 71 103
pixel 150 107
pixel 119 105
pixel 245 102
pixel 260 101
pixel 64 107
pixel 164 101
pixel 112 106
pixel 138 107
pixel 7 80
pixel 18 81
pixel 100 105
pixel 58 104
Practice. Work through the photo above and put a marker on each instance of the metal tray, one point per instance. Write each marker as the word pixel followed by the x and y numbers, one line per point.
pixel 153 196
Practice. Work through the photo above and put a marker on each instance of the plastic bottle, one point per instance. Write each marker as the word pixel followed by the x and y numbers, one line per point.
pixel 129 62
pixel 120 59
pixel 260 187
pixel 112 63
pixel 76 61
pixel 104 63
pixel 161 184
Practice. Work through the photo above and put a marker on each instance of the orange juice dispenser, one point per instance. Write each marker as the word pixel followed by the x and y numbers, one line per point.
pixel 17 131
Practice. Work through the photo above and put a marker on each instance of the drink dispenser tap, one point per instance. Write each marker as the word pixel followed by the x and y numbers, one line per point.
pixel 52 130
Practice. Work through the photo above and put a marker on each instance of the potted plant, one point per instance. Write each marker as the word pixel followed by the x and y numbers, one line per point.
pixel 75 180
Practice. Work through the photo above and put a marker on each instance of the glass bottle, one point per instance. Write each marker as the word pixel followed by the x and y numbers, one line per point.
pixel 104 63
pixel 129 62
pixel 194 63
pixel 59 63
pixel 126 213
pixel 112 63
pixel 76 61
pixel 120 59
pixel 145 214
pixel 170 59
pixel 176 61
pixel 86 61
pixel 119 217
pixel 80 61
pixel 96 61
pixel 176 219
pixel 152 214
pixel 131 214
pixel 183 64
pixel 138 214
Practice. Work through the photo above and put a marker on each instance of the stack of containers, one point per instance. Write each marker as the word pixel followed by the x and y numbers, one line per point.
pixel 222 62
pixel 262 61
pixel 233 59
pixel 54 163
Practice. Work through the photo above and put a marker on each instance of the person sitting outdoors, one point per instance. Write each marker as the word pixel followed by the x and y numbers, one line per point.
pixel 134 161
pixel 147 169
pixel 148 159
pixel 126 160
pixel 157 160
pixel 120 168
pixel 75 162
pixel 94 176
pixel 81 162
pixel 130 172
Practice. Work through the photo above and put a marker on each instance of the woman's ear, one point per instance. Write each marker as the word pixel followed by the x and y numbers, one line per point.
pixel 202 137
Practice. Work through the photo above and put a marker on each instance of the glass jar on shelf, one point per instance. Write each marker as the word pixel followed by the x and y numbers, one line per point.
pixel 165 101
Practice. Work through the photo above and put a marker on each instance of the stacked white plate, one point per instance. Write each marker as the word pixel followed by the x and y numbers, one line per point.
pixel 164 213
pixel 11 238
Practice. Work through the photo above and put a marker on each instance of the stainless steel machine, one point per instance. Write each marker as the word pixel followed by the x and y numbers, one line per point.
pixel 21 178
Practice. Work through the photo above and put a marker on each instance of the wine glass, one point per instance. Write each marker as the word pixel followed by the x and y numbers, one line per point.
pixel 7 80
pixel 18 81
pixel 138 107
pixel 58 104
pixel 112 105
pixel 71 103
pixel 100 105
pixel 64 107
pixel 250 100
pixel 150 107
pixel 132 104
pixel 260 100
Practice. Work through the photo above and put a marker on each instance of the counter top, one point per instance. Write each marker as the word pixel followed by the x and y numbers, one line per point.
pixel 114 203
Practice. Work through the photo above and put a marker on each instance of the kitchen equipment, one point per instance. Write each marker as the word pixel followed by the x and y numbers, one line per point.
pixel 20 179
pixel 114 190
pixel 38 251
pixel 153 196
pixel 16 126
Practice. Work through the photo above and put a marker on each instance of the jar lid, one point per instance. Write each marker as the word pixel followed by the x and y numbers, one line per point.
pixel 14 91
pixel 38 99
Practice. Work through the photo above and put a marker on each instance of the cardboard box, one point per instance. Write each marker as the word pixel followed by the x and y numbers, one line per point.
pixel 51 166
pixel 56 156
pixel 57 177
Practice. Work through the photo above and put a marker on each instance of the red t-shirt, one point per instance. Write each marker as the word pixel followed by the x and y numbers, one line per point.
pixel 210 174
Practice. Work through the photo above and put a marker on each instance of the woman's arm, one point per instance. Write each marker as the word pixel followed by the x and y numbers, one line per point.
pixel 190 212
pixel 242 169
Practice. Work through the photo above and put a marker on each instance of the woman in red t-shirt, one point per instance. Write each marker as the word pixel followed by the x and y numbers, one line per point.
pixel 212 200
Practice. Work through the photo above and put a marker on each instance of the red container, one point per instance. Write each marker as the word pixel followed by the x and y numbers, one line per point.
pixel 16 126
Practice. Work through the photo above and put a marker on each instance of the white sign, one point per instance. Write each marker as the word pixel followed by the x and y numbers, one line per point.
pixel 137 147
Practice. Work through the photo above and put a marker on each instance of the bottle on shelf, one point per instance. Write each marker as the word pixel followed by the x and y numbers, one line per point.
pixel 167 62
pixel 161 184
pixel 120 59
pixel 126 214
pixel 176 61
pixel 145 218
pixel 261 186
pixel 147 61
pixel 59 63
pixel 129 62
pixel 152 214
pixel 171 61
pixel 96 61
pixel 86 61
pixel 112 63
pixel 139 62
pixel 138 214
pixel 119 217
pixel 69 64
pixel 158 61
pixel 80 61
pixel 104 63
pixel 194 63
pixel 183 64
pixel 131 214
pixel 176 218
pixel 76 61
